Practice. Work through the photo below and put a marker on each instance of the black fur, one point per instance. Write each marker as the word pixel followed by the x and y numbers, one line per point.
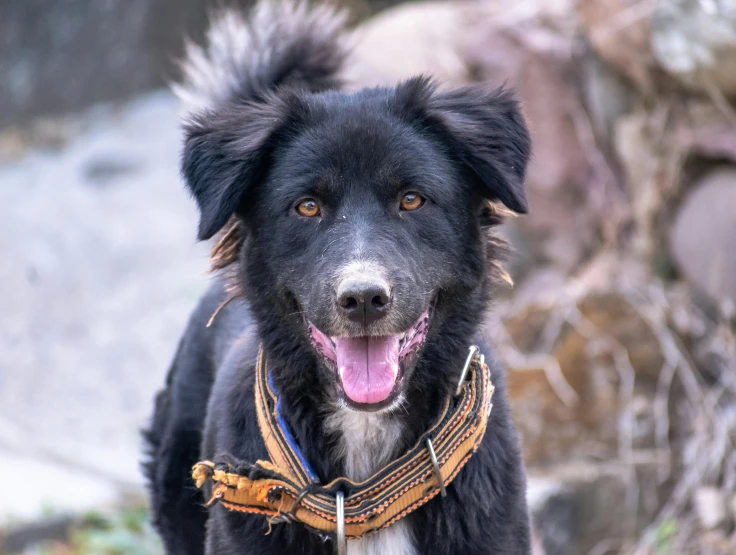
pixel 253 157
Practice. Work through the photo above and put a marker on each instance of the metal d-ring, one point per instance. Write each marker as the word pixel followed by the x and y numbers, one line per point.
pixel 436 465
pixel 342 543
pixel 474 350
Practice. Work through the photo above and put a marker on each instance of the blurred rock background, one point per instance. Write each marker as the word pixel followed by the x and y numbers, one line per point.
pixel 620 332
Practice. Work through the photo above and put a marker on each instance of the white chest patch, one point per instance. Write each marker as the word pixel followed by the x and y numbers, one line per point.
pixel 367 442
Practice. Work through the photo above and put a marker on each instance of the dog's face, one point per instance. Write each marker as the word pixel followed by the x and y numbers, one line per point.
pixel 362 211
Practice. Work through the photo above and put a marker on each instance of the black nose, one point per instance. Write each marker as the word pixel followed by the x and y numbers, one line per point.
pixel 364 300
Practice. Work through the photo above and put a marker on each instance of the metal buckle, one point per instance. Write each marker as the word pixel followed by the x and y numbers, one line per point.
pixel 291 515
pixel 474 350
pixel 436 465
pixel 342 543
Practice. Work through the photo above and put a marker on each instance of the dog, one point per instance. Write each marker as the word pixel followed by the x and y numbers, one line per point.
pixel 355 252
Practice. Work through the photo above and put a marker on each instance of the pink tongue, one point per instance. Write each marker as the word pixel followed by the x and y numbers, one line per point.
pixel 367 366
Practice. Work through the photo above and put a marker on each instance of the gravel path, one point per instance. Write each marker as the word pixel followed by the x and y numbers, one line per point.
pixel 99 270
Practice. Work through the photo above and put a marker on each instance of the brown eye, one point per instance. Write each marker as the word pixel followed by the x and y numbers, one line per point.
pixel 308 207
pixel 411 201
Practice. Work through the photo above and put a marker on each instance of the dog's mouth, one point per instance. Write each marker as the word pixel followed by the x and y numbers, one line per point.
pixel 370 369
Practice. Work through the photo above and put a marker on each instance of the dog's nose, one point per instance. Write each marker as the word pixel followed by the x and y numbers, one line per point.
pixel 364 300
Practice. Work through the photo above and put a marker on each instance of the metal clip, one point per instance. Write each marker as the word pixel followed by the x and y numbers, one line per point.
pixel 291 515
pixel 436 465
pixel 474 350
pixel 342 543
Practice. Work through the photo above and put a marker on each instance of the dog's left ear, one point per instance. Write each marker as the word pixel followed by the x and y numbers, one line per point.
pixel 487 134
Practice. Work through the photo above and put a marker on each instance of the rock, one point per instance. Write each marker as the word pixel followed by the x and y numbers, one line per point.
pixel 692 40
pixel 695 41
pixel 710 506
pixel 706 133
pixel 21 539
pixel 406 41
pixel 107 168
pixel 576 505
pixel 703 237
pixel 619 30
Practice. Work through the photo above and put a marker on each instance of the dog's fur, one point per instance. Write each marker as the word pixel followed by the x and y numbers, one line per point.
pixel 266 125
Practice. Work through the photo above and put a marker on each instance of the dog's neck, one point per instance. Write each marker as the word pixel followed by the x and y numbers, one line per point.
pixel 366 441
pixel 340 441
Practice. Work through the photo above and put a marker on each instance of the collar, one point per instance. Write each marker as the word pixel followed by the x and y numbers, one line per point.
pixel 285 488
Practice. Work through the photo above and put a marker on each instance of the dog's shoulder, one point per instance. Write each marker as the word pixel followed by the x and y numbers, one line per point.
pixel 232 426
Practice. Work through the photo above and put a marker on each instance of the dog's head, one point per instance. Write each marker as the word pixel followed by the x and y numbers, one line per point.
pixel 362 215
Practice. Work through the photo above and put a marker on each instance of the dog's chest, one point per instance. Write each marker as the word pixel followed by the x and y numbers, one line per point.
pixel 367 442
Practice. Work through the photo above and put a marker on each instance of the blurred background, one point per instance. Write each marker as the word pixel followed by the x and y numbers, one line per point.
pixel 620 331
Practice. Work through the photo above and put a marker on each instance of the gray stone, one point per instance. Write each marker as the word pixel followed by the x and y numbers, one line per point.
pixel 107 168
pixel 22 538
pixel 575 506
pixel 695 40
pixel 703 237
pixel 710 506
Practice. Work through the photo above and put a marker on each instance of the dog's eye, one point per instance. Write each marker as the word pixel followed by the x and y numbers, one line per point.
pixel 308 207
pixel 411 201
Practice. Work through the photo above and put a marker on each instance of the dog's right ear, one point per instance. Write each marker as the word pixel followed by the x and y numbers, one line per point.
pixel 227 153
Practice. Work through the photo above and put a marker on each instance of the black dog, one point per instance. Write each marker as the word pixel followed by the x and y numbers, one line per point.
pixel 354 232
